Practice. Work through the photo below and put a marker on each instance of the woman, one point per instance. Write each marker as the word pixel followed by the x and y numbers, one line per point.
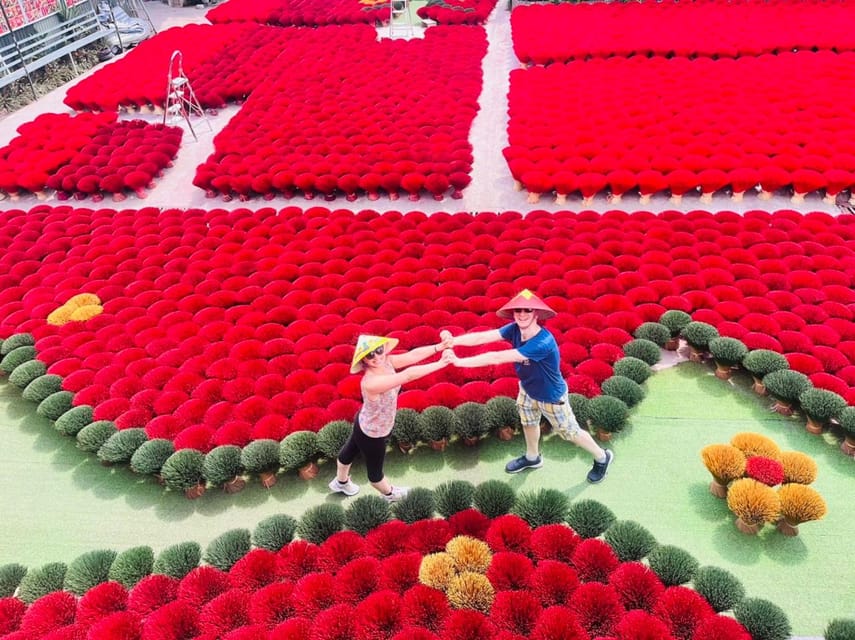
pixel 380 386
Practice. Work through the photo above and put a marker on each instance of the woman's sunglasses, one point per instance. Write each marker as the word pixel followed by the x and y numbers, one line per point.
pixel 373 354
pixel 523 310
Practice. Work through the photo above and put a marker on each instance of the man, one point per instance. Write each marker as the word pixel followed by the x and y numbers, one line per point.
pixel 543 391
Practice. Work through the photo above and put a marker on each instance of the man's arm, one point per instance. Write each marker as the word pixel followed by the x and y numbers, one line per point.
pixel 489 359
pixel 470 339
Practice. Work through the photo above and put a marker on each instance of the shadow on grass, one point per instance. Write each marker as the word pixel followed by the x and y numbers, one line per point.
pixel 743 549
pixel 707 506
pixel 18 408
pixel 489 450
pixel 576 491
pixel 467 457
pixel 701 377
pixel 424 460
pixel 45 437
pixel 734 546
pixel 783 550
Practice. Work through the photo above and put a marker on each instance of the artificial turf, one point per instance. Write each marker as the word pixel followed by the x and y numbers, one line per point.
pixel 58 502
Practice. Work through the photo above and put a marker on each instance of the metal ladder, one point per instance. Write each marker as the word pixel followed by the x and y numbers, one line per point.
pixel 181 102
pixel 400 19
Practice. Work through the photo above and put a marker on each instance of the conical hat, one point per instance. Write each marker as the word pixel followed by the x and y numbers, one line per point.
pixel 525 299
pixel 367 344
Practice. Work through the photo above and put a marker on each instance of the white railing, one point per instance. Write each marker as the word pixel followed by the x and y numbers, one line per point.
pixel 53 38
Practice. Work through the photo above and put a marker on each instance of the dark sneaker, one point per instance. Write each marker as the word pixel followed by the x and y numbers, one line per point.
pixel 600 469
pixel 518 464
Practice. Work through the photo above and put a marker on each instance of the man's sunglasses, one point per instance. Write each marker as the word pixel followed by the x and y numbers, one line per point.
pixel 373 354
pixel 523 310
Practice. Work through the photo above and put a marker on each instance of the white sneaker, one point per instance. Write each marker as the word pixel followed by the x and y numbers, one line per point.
pixel 349 488
pixel 397 494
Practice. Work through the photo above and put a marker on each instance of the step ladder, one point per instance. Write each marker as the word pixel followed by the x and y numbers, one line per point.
pixel 400 19
pixel 181 102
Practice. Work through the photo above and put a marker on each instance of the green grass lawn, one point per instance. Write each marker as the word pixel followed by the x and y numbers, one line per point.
pixel 58 502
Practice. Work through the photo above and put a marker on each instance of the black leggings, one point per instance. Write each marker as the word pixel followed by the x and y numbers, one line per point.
pixel 374 450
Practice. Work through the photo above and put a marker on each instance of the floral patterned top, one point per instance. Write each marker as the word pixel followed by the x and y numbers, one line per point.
pixel 377 417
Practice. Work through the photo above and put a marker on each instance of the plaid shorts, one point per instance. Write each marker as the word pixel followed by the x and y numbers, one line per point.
pixel 560 415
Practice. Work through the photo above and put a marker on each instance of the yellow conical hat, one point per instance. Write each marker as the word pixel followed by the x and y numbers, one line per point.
pixel 367 344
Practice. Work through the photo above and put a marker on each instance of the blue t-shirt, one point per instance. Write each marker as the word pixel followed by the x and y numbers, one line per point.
pixel 540 375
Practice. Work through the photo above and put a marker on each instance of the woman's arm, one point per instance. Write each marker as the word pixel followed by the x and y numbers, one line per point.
pixel 401 360
pixel 490 358
pixel 377 384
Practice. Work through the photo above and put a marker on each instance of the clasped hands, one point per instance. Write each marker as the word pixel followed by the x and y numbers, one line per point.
pixel 447 344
